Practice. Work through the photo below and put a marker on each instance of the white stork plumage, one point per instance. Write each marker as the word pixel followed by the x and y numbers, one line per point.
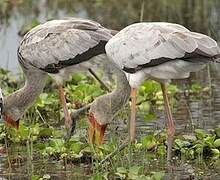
pixel 159 51
pixel 58 48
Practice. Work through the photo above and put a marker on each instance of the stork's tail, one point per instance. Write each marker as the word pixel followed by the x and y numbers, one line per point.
pixel 216 58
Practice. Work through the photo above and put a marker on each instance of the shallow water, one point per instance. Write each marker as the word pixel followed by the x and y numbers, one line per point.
pixel 189 112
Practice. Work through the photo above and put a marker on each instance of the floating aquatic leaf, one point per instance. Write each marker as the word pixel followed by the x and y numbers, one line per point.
pixel 215 153
pixel 209 140
pixel 122 170
pixel 149 117
pixel 145 106
pixel 97 176
pixel 149 142
pixel 35 177
pixel 23 132
pixel 40 146
pixel 135 170
pixel 181 143
pixel 198 148
pixel 189 137
pixel 172 89
pixel 200 133
pixel 158 175
pixel 217 131
pixel 76 147
pixel 196 88
pixel 46 176
pixel 161 150
pixel 46 132
pixel 34 129
pixel 217 143
pixel 122 176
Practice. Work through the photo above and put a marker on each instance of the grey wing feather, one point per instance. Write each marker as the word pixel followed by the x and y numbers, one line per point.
pixel 142 43
pixel 61 40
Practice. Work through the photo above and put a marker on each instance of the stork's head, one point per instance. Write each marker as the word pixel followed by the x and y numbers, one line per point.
pixel 104 108
pixel 3 116
pixel 100 115
pixel 96 130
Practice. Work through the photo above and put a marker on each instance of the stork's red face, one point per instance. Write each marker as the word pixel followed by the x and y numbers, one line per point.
pixel 10 122
pixel 96 131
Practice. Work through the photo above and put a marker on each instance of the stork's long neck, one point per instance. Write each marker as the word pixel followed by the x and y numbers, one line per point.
pixel 122 92
pixel 104 108
pixel 16 103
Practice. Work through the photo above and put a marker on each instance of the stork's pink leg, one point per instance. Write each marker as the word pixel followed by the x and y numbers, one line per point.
pixel 133 115
pixel 68 120
pixel 170 124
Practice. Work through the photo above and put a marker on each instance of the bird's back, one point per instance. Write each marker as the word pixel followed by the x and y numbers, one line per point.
pixel 57 44
pixel 145 45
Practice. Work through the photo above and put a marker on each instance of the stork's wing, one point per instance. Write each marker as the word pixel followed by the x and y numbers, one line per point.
pixel 60 43
pixel 149 44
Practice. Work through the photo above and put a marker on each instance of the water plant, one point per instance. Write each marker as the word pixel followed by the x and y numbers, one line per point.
pixel 41 135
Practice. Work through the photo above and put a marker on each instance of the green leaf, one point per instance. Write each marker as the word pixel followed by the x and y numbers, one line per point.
pixel 23 132
pixel 196 88
pixel 191 138
pixel 50 150
pixel 34 129
pixel 217 131
pixel 145 106
pixel 149 88
pixel 122 170
pixel 135 170
pixel 209 140
pixel 57 145
pixel 35 177
pixel 217 143
pixel 132 176
pixel 122 176
pixel 46 132
pixel 215 153
pixel 181 143
pixel 40 146
pixel 46 176
pixel 105 175
pixel 143 177
pixel 161 150
pixel 97 176
pixel 78 77
pixel 76 147
pixel 198 148
pixel 149 142
pixel 200 133
pixel 172 89
pixel 158 175
pixel 149 117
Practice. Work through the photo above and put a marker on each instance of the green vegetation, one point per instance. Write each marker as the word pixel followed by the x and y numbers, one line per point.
pixel 38 149
pixel 41 135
